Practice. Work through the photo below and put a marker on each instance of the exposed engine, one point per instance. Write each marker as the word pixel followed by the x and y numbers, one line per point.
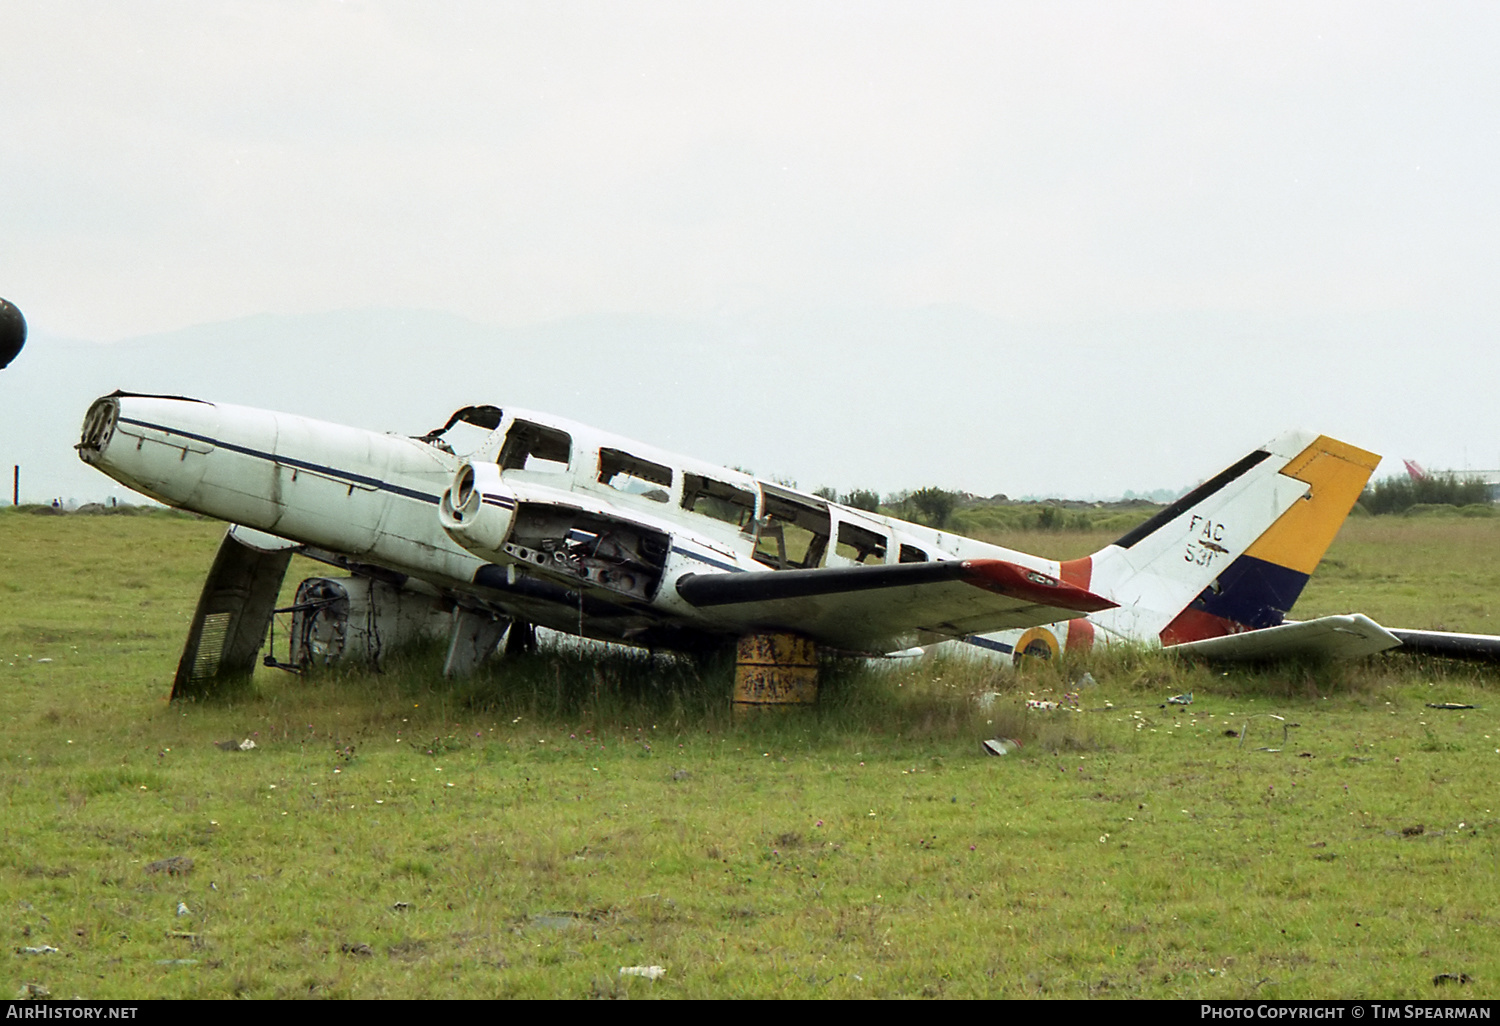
pixel 615 554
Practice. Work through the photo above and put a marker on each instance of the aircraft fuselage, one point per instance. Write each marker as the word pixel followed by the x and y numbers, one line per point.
pixel 587 532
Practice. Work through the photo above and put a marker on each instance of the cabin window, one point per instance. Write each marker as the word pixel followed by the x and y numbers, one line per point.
pixel 724 502
pixel 860 545
pixel 634 476
pixel 531 446
pixel 912 554
pixel 793 532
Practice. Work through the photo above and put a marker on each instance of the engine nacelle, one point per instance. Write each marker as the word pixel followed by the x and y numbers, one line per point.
pixel 477 510
pixel 12 332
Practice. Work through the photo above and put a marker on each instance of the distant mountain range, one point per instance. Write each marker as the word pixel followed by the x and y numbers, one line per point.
pixel 881 400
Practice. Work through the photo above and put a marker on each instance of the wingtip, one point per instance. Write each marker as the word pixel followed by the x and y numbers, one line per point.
pixel 1023 582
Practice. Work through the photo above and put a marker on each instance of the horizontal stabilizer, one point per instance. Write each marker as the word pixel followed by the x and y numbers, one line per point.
pixel 1328 637
pixel 1483 647
pixel 879 608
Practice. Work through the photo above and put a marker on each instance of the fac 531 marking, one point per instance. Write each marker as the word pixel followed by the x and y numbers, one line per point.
pixel 1205 541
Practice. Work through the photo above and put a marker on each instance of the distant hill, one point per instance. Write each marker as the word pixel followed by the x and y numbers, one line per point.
pixel 878 400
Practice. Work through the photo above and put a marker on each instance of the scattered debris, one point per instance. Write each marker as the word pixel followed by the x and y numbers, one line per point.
pixel 1285 726
pixel 183 910
pixel 45 949
pixel 1086 681
pixel 650 972
pixel 681 774
pixel 1068 702
pixel 362 950
pixel 35 991
pixel 1450 705
pixel 401 906
pixel 1445 978
pixel 999 745
pixel 986 700
pixel 235 746
pixel 1231 733
pixel 174 865
pixel 1186 698
pixel 176 961
pixel 180 935
pixel 1306 755
pixel 47 660
pixel 1413 831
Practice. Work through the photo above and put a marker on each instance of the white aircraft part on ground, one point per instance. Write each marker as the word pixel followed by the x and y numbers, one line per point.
pixel 1327 637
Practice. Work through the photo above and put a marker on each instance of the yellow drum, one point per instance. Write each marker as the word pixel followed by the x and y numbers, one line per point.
pixel 775 671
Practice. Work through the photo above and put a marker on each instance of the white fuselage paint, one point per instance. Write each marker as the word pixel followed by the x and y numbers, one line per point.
pixel 359 493
pixel 374 498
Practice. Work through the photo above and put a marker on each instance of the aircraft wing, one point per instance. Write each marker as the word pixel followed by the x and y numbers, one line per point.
pixel 1482 647
pixel 1327 637
pixel 881 608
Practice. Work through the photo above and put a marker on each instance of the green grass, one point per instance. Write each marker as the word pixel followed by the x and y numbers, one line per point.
pixel 531 831
pixel 1435 572
pixel 1430 573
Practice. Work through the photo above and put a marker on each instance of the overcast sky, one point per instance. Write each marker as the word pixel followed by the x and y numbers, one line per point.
pixel 1313 184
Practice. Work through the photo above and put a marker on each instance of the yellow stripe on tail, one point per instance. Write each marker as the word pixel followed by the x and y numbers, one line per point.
pixel 1336 472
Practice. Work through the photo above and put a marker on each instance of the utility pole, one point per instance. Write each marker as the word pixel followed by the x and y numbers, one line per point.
pixel 15 488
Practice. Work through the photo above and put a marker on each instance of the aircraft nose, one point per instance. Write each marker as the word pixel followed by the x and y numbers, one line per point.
pixel 155 444
pixel 98 429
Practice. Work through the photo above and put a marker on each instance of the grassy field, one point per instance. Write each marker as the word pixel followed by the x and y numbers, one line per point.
pixel 1430 572
pixel 531 832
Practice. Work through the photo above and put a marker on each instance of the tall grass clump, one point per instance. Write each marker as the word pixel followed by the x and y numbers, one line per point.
pixel 603 686
pixel 1400 494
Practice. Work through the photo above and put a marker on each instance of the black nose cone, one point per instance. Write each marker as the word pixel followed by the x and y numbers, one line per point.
pixel 12 332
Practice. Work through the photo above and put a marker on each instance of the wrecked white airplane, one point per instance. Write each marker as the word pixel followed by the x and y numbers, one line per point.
pixel 548 522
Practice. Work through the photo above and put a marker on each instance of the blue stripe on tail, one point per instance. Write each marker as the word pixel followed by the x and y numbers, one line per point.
pixel 1253 592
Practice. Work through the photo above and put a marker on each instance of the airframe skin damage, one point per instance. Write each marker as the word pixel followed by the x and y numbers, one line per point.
pixel 554 523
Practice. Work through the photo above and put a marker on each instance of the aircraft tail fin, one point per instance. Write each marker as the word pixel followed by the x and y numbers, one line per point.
pixel 1234 553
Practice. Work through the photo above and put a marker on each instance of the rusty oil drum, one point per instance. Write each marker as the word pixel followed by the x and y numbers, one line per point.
pixel 775 671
